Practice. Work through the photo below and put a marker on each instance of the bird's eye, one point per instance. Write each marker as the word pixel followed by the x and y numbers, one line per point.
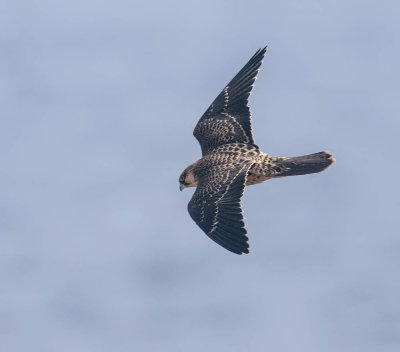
pixel 182 179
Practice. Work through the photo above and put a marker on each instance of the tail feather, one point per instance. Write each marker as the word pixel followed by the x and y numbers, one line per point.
pixel 307 164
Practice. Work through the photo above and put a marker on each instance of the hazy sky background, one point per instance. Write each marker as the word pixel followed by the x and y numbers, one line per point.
pixel 98 103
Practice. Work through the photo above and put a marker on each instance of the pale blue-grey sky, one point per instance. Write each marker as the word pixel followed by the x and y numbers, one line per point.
pixel 98 103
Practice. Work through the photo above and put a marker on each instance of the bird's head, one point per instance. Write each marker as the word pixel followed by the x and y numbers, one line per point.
pixel 187 178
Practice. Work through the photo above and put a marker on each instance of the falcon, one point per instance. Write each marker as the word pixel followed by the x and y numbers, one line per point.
pixel 231 160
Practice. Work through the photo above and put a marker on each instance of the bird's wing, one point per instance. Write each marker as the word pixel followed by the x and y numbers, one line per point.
pixel 228 119
pixel 215 205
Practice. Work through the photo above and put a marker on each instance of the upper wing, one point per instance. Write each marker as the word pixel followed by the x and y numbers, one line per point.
pixel 215 205
pixel 228 119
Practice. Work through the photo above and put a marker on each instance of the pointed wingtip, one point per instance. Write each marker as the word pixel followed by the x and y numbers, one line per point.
pixel 261 53
pixel 263 50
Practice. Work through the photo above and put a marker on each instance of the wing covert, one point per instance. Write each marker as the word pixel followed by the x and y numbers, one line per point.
pixel 228 119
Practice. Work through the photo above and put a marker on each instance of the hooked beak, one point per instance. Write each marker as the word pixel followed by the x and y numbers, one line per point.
pixel 181 187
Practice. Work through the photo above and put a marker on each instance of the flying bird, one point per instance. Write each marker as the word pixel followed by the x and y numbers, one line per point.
pixel 231 160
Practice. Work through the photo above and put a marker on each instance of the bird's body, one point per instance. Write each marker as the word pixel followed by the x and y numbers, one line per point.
pixel 263 166
pixel 231 160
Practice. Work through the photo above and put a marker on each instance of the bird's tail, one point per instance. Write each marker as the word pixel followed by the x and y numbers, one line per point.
pixel 306 164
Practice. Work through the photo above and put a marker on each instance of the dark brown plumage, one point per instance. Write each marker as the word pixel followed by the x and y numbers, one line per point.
pixel 231 160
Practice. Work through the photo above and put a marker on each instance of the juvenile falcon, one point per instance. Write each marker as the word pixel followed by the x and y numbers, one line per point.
pixel 231 160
